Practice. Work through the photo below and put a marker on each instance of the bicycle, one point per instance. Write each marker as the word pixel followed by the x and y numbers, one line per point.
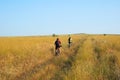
pixel 57 52
pixel 69 44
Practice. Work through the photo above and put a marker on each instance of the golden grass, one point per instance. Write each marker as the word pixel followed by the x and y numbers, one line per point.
pixel 19 55
pixel 91 57
pixel 97 59
pixel 28 58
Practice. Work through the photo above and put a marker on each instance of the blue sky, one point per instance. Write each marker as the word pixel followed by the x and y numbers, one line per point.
pixel 45 17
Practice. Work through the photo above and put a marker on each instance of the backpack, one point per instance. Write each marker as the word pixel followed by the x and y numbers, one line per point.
pixel 57 43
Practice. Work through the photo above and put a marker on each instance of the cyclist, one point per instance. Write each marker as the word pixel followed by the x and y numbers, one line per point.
pixel 57 46
pixel 69 41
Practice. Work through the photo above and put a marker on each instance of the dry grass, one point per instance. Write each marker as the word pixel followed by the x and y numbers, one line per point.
pixel 31 58
pixel 91 57
pixel 97 59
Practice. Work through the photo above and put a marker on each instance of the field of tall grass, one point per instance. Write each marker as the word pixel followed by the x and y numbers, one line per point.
pixel 91 57
pixel 97 59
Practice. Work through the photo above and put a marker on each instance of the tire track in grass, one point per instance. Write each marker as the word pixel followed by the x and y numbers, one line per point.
pixel 84 62
pixel 58 62
pixel 62 65
pixel 64 69
pixel 29 75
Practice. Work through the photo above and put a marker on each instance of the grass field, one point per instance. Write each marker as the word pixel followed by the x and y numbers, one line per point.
pixel 91 57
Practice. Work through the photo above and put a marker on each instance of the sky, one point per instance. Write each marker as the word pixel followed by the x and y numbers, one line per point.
pixel 46 17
